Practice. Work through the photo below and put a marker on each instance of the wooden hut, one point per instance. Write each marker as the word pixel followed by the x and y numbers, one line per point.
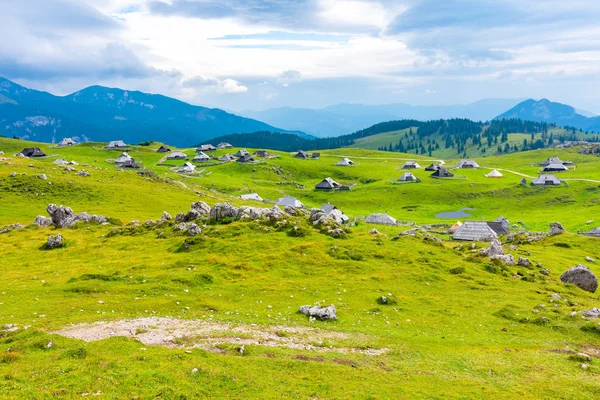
pixel 327 184
pixel 475 231
pixel 442 173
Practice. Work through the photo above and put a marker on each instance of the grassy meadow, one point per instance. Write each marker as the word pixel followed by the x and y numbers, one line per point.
pixel 460 326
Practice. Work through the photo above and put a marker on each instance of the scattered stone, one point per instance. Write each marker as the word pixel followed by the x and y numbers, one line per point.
pixel 590 259
pixel 556 228
pixel 193 230
pixel 336 233
pixel 582 277
pixel 374 232
pixel 223 211
pixel 181 226
pixel 13 174
pixel 83 173
pixel 9 326
pixel 201 207
pixel 524 262
pixel 43 177
pixel 166 216
pixel 592 313
pixel 42 221
pixel 495 249
pixel 319 312
pixel 591 221
pixel 54 242
pixel 432 238
pixel 507 259
pixel 556 296
pixel 584 366
pixel 545 272
pixel 195 371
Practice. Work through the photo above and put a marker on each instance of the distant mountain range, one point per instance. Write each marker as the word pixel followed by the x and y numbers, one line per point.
pixel 345 118
pixel 102 114
pixel 545 110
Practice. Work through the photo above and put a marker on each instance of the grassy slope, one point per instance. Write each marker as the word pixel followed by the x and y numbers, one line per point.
pixel 445 335
pixel 384 139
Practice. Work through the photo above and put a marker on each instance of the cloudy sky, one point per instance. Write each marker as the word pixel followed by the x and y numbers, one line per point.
pixel 256 54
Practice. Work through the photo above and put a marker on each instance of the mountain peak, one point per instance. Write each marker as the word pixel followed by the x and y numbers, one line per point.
pixel 545 110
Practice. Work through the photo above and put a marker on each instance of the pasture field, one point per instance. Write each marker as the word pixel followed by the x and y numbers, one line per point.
pixel 458 326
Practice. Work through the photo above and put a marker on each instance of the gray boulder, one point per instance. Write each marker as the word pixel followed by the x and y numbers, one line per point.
pixel 201 207
pixel 192 215
pixel 495 249
pixel 62 216
pixel 42 221
pixel 180 217
pixel 593 313
pixel 166 216
pixel 83 173
pixel 223 211
pixel 319 312
pixel 181 226
pixel 54 241
pixel 556 228
pixel 193 230
pixel 524 262
pixel 43 177
pixel 582 277
pixel 507 259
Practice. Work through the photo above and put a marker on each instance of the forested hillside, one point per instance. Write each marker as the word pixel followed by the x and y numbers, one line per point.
pixel 452 137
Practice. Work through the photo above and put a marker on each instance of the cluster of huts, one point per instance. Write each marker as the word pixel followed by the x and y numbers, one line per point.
pixel 242 156
pixel 303 155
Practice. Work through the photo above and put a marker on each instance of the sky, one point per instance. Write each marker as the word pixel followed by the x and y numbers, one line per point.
pixel 258 54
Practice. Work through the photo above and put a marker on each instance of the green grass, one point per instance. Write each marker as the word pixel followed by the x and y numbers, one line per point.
pixel 461 327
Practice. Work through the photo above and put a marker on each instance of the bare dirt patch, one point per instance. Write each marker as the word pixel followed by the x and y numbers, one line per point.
pixel 180 333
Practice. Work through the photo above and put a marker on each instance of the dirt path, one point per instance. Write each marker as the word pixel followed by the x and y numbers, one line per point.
pixel 172 332
pixel 386 158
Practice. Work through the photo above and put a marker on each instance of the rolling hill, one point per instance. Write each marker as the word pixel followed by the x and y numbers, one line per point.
pixel 99 114
pixel 439 138
pixel 545 110
pixel 138 308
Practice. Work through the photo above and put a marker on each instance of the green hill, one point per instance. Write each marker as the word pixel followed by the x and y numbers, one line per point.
pixel 215 315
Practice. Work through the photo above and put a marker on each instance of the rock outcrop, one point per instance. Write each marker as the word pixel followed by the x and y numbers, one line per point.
pixel 523 262
pixel 63 217
pixel 42 221
pixel 556 228
pixel 54 242
pixel 582 277
pixel 193 230
pixel 223 211
pixel 319 312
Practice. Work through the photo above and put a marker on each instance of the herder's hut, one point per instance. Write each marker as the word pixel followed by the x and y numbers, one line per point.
pixel 546 180
pixel 475 231
pixel 381 219
pixel 327 184
pixel 289 201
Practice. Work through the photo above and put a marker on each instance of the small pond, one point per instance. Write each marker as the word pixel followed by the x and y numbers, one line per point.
pixel 455 214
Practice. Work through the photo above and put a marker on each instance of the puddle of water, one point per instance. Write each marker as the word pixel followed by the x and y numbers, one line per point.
pixel 455 214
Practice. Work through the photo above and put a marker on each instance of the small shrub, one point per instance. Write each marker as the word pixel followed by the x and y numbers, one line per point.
pixel 77 354
pixel 563 245
pixel 297 231
pixel 9 357
pixel 591 328
pixel 100 277
pixel 115 221
pixel 457 270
